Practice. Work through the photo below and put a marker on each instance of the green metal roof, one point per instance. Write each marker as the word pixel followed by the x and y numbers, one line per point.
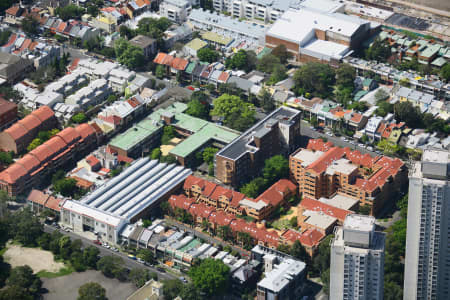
pixel 359 95
pixel 135 134
pixel 190 67
pixel 196 44
pixel 208 132
pixel 367 82
pixel 175 108
pixel 264 52
pixel 430 50
pixel 439 62
pixel 192 244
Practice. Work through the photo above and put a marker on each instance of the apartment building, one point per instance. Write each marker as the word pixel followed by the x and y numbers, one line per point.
pixel 17 137
pixel 322 170
pixel 284 276
pixel 147 44
pixel 427 261
pixel 243 158
pixel 234 202
pixel 175 10
pixel 357 260
pixel 268 10
pixel 95 93
pixel 62 149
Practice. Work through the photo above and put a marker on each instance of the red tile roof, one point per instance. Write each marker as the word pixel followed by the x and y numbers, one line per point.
pixel 275 194
pixel 56 143
pixel 16 131
pixel 69 135
pixel 181 201
pixel 221 218
pixel 159 59
pixel 92 160
pixel 12 40
pixel 179 63
pixel 13 173
pixel 311 237
pixel 321 164
pixel 38 197
pixel 319 145
pixel 13 10
pixel 206 186
pixel 223 78
pixel 201 210
pixel 42 152
pixel 356 117
pixel 6 106
pixel 85 130
pixel 54 203
pixel 315 205
pixel 29 162
pixel 125 159
pixel 133 102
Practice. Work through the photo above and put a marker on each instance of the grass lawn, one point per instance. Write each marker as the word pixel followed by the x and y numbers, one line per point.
pixel 2 251
pixel 281 224
pixel 62 272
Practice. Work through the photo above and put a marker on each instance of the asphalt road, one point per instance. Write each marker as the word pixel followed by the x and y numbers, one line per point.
pixel 305 130
pixel 129 263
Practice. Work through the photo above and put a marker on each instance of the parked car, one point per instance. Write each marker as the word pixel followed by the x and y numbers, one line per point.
pixel 131 256
pixel 161 270
pixel 370 148
pixel 97 242
pixel 140 260
pixel 183 279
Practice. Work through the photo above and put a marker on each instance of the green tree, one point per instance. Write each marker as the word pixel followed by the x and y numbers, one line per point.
pixel 408 113
pixel 139 277
pixel 198 109
pixel 30 25
pixel 27 228
pixel 128 55
pixel 246 239
pixel 282 53
pixel 208 55
pixel 321 261
pixel 254 187
pixel 23 277
pixel 171 288
pixel 91 291
pixel 445 72
pixel 5 270
pixel 79 118
pixel 384 108
pixel 4 36
pixel 168 134
pixel 278 74
pixel 225 233
pixel 275 168
pixel 65 247
pixel 77 262
pixel 92 10
pixel 156 153
pixel 381 95
pixel 345 76
pixel 190 292
pixel 66 187
pixel 211 277
pixel 109 265
pixel 208 154
pixel 34 144
pixel 146 255
pixel 392 291
pixel 5 158
pixel 15 292
pixel 70 11
pixel 267 63
pixel 242 60
pixel 91 256
pixel 160 71
pixel 315 78
pixel 237 113
pixel 379 51
pixel 293 222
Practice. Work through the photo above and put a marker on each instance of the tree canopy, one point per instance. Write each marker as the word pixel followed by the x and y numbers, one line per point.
pixel 315 78
pixel 379 51
pixel 237 113
pixel 129 55
pixel 30 25
pixel 445 72
pixel 211 277
pixel 208 55
pixel 91 291
pixel 267 63
pixel 282 53
pixel 242 60
pixel 70 11
pixel 275 168
pixel 198 106
pixel 79 118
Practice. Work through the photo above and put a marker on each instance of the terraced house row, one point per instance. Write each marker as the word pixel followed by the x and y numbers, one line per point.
pixel 60 150
pixel 217 218
pixel 235 203
pixel 322 170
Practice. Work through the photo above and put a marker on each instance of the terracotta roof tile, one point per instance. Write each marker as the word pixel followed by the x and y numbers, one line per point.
pixel 159 58
pixel 84 130
pixel 180 201
pixel 38 197
pixel 92 160
pixel 275 194
pixel 223 77
pixel 315 205
pixel 69 135
pixel 311 237
pixel 42 152
pixel 179 63
pixel 54 203
pixel 56 143
pixel 13 173
pixel 29 162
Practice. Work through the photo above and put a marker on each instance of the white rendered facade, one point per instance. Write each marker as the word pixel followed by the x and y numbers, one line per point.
pixel 427 261
pixel 357 260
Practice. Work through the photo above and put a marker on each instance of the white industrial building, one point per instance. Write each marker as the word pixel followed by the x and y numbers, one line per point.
pixel 175 10
pixel 123 199
pixel 427 260
pixel 357 260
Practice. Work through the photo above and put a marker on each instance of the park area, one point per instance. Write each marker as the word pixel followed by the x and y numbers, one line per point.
pixel 39 260
pixel 66 287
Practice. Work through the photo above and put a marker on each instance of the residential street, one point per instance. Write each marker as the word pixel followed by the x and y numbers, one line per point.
pixel 129 263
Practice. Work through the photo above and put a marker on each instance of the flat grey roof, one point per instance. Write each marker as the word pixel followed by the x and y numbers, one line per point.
pixel 239 146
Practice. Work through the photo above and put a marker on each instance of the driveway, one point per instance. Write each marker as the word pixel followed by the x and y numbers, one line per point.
pixel 66 287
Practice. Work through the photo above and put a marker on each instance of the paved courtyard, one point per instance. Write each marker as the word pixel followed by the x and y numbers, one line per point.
pixel 66 287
